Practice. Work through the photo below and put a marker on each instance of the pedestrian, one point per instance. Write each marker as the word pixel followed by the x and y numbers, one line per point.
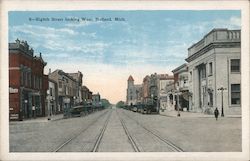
pixel 216 113
pixel 33 110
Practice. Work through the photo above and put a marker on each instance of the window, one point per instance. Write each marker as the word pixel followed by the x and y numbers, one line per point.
pixel 203 72
pixel 235 94
pixel 190 76
pixel 26 78
pixel 210 103
pixel 50 91
pixel 22 77
pixel 34 81
pixel 235 65
pixel 29 79
pixel 210 68
pixel 41 82
pixel 60 84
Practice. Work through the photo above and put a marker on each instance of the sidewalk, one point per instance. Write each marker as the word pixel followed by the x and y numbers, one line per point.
pixel 40 119
pixel 192 114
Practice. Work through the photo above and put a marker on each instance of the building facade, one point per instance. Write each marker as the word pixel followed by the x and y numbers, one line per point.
pixel 78 77
pixel 214 63
pixel 181 86
pixel 27 82
pixel 51 102
pixel 86 94
pixel 96 98
pixel 134 92
pixel 67 89
pixel 162 81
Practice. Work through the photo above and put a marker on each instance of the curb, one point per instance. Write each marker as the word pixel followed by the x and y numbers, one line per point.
pixel 205 116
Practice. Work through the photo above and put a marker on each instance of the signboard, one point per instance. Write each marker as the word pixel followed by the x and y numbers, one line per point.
pixel 13 90
pixel 14 116
pixel 66 100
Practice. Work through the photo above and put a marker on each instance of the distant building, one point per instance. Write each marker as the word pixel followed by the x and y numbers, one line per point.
pixel 96 99
pixel 214 62
pixel 51 102
pixel 171 98
pixel 67 89
pixel 78 77
pixel 134 92
pixel 181 86
pixel 162 81
pixel 145 89
pixel 86 94
pixel 27 82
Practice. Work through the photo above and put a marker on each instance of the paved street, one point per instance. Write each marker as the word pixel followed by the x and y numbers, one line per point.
pixel 119 130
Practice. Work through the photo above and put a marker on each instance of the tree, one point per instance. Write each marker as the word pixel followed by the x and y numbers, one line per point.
pixel 105 103
pixel 120 104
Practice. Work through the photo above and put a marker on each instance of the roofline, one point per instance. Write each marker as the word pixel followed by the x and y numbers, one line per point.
pixel 179 67
pixel 213 30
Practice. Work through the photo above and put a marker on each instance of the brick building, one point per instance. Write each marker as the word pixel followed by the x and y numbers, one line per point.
pixel 27 82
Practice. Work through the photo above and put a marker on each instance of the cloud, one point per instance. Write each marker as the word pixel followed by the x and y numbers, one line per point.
pixel 81 23
pixel 58 40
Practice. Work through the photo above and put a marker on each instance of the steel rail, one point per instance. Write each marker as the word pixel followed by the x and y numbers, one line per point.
pixel 83 130
pixel 174 147
pixel 98 141
pixel 134 145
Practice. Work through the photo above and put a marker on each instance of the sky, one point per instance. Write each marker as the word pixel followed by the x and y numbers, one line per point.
pixel 138 43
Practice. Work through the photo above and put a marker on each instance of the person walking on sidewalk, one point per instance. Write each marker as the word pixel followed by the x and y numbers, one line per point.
pixel 216 113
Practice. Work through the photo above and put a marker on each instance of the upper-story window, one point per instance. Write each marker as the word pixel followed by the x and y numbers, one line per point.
pixel 41 83
pixel 235 94
pixel 235 65
pixel 190 73
pixel 50 91
pixel 203 72
pixel 210 68
pixel 60 84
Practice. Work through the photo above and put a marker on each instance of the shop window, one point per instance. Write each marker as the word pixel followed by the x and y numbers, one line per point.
pixel 235 94
pixel 235 65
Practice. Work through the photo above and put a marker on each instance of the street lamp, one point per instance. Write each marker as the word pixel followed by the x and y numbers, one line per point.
pixel 74 99
pixel 49 109
pixel 178 104
pixel 26 102
pixel 222 110
pixel 177 92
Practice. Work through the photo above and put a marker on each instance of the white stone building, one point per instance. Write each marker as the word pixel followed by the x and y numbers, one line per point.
pixel 214 62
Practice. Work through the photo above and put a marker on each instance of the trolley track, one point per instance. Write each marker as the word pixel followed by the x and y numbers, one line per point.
pixel 133 143
pixel 98 141
pixel 80 132
pixel 171 145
